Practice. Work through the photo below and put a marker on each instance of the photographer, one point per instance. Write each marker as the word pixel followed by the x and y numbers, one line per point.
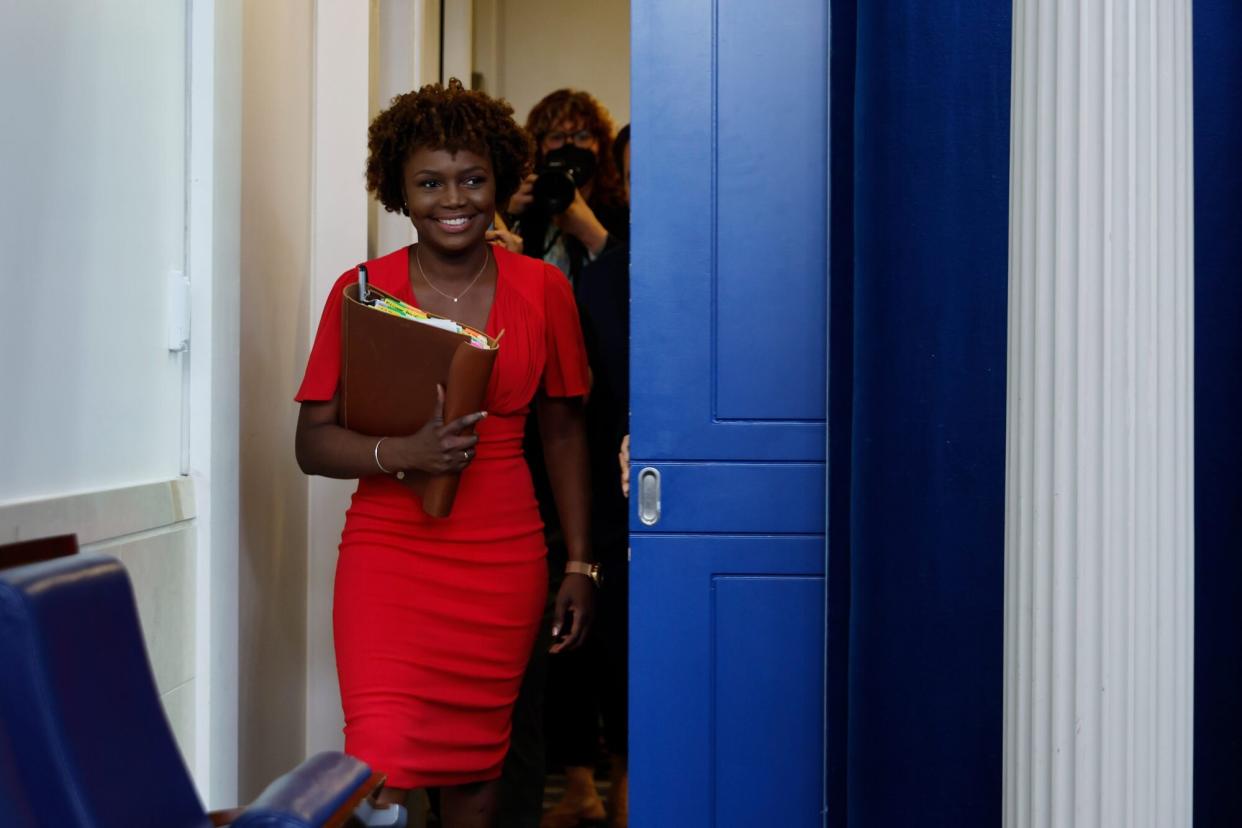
pixel 573 206
pixel 571 212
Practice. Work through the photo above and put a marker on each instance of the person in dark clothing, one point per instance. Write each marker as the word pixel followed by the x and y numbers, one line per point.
pixel 589 686
pixel 588 240
pixel 599 672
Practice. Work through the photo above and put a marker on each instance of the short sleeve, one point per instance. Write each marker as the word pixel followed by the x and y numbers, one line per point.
pixel 323 367
pixel 565 373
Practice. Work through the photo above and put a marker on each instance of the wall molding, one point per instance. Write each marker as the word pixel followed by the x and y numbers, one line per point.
pixel 103 515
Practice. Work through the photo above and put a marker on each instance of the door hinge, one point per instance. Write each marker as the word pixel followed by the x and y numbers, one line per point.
pixel 178 312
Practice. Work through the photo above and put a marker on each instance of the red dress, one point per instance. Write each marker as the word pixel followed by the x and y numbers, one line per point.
pixel 434 618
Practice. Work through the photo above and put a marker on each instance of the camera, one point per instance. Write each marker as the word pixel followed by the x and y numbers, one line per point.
pixel 564 170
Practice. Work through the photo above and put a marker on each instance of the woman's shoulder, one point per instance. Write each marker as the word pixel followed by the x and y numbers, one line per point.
pixel 530 277
pixel 518 265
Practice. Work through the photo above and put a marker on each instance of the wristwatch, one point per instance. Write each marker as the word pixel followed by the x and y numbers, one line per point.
pixel 591 570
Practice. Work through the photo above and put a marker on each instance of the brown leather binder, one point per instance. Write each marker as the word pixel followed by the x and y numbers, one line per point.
pixel 389 370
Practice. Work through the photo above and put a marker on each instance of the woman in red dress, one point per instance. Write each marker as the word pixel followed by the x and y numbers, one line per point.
pixel 435 618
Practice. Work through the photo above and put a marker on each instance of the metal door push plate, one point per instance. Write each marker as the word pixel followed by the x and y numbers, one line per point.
pixel 649 496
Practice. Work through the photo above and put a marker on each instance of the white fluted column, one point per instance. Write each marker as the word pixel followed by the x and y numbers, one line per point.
pixel 1099 589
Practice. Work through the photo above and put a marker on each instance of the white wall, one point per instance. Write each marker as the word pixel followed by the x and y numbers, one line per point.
pixel 275 265
pixel 341 97
pixel 526 50
pixel 305 220
pixel 311 86
pixel 92 221
pixel 457 47
pixel 94 425
pixel 404 55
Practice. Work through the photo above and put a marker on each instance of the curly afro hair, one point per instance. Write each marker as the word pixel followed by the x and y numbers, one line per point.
pixel 444 117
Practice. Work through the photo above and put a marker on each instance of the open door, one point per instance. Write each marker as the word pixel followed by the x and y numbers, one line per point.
pixel 729 282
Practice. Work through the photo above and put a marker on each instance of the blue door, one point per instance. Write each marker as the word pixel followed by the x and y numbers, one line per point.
pixel 729 297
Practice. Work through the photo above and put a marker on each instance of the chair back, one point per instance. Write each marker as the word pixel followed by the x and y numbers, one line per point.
pixel 82 730
pixel 15 807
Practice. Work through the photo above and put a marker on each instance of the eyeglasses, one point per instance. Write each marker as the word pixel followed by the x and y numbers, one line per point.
pixel 556 140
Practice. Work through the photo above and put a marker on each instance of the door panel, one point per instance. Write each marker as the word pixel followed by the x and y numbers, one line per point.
pixel 730 248
pixel 765 712
pixel 771 104
pixel 726 680
pixel 742 498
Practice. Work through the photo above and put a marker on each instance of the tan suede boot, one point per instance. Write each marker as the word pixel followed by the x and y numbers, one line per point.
pixel 580 802
pixel 618 792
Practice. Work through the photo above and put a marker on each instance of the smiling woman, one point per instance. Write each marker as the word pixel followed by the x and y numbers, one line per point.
pixel 434 619
pixel 451 200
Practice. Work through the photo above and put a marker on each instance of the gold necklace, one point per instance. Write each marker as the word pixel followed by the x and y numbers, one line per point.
pixel 423 273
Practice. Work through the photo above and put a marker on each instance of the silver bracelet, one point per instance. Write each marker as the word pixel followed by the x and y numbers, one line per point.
pixel 400 474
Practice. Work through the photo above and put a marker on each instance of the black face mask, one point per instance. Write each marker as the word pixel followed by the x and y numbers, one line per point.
pixel 564 170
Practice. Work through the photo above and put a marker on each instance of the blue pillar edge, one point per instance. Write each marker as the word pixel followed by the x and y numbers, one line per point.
pixel 1218 411
pixel 840 404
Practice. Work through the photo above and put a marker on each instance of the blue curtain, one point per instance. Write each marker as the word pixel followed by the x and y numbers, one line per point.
pixel 1218 412
pixel 924 511
pixel 840 406
pixel 920 176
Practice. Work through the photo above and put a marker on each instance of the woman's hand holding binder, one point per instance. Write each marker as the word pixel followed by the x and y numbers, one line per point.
pixel 399 367
pixel 437 447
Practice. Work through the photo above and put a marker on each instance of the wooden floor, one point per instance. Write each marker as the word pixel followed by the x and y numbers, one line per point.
pixel 553 789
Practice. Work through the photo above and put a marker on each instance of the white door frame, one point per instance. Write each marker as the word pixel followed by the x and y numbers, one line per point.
pixel 213 261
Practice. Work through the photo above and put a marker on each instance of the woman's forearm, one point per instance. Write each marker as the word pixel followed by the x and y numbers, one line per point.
pixel 329 450
pixel 322 447
pixel 593 237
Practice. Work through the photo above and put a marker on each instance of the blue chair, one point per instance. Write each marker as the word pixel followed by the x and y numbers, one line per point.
pixel 84 742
